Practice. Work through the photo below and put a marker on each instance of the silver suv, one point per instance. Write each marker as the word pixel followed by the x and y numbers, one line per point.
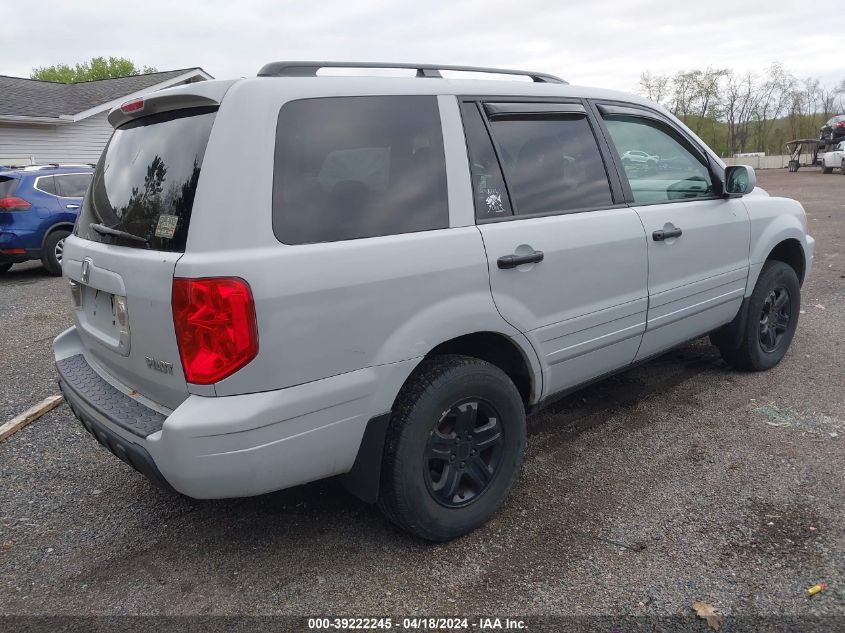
pixel 290 277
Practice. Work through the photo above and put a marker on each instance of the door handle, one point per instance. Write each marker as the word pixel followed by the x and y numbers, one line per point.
pixel 512 261
pixel 661 235
pixel 72 206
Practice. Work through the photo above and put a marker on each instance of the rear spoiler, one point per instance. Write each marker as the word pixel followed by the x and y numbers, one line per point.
pixel 194 95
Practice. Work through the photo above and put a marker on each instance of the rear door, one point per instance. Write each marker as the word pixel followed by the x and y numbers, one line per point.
pixel 131 232
pixel 698 241
pixel 567 258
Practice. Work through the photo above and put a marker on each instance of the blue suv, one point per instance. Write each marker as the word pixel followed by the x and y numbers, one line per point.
pixel 38 206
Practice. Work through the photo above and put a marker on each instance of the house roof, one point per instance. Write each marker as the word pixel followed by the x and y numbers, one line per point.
pixel 31 98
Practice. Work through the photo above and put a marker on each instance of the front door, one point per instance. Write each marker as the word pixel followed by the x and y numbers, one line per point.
pixel 697 240
pixel 567 258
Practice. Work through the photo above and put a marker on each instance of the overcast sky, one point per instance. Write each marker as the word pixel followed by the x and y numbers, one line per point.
pixel 591 42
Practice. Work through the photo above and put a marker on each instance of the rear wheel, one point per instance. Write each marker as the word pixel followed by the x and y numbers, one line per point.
pixel 4 267
pixel 453 449
pixel 773 310
pixel 842 167
pixel 826 169
pixel 54 247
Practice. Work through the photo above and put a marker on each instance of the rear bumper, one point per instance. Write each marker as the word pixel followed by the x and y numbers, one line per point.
pixel 130 452
pixel 17 238
pixel 232 446
pixel 15 241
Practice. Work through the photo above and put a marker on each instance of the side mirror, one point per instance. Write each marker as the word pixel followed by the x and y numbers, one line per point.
pixel 739 180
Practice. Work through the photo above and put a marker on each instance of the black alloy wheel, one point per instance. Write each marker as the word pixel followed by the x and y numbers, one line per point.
pixel 463 452
pixel 774 319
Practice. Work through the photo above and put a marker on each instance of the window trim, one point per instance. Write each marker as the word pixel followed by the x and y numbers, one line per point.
pixel 55 195
pixel 616 190
pixel 497 110
pixel 602 107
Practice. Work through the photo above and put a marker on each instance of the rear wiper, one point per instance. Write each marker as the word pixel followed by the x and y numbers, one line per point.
pixel 102 229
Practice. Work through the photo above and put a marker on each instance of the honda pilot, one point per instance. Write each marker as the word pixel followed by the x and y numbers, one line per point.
pixel 295 276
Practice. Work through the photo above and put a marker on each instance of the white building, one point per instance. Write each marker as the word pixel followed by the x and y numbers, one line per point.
pixel 50 122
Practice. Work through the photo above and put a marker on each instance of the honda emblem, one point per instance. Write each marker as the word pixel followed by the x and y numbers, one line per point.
pixel 86 269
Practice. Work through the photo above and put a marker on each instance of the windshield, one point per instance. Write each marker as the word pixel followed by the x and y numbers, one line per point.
pixel 145 183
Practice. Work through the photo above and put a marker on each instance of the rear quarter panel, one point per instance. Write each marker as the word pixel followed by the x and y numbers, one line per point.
pixel 331 308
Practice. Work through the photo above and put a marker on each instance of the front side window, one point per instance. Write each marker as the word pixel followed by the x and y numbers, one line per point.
pixel 356 167
pixel 72 185
pixel 660 165
pixel 552 163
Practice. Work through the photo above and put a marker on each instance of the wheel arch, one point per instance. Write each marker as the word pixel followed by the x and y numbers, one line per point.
pixel 790 252
pixel 67 226
pixel 512 355
pixel 778 232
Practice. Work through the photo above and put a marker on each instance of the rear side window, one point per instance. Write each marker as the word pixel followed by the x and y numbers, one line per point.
pixel 355 167
pixel 47 184
pixel 145 183
pixel 552 163
pixel 72 185
pixel 7 186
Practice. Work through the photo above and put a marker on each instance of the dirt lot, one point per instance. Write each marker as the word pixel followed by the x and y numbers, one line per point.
pixel 674 482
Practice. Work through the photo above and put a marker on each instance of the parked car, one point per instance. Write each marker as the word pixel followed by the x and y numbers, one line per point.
pixel 834 159
pixel 834 129
pixel 412 266
pixel 38 206
pixel 639 157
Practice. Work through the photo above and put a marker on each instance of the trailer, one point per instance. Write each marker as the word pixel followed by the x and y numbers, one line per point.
pixel 810 149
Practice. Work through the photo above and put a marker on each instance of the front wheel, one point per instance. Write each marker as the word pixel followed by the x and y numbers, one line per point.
pixel 826 169
pixel 453 449
pixel 842 168
pixel 54 248
pixel 773 310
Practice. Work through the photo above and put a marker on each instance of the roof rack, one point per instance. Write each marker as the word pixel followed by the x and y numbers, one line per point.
pixel 38 167
pixel 309 69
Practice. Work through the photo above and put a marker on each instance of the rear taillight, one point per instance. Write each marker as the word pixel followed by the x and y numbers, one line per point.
pixel 840 124
pixel 13 203
pixel 215 327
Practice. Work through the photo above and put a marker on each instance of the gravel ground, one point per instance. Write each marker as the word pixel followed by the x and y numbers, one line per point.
pixel 677 481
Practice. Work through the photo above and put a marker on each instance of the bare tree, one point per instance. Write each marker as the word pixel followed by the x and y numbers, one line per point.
pixel 742 112
pixel 741 98
pixel 773 102
pixel 655 87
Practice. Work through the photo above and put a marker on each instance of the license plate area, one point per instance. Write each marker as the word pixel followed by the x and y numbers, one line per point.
pixel 104 316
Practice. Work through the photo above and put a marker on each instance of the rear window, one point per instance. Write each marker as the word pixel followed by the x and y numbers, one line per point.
pixel 146 180
pixel 354 167
pixel 7 186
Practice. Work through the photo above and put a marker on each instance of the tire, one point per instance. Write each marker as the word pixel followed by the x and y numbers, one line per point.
pixel 826 169
pixel 51 253
pixel 4 267
pixel 425 451
pixel 842 167
pixel 766 339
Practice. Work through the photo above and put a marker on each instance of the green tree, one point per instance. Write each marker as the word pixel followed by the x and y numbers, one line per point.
pixel 97 68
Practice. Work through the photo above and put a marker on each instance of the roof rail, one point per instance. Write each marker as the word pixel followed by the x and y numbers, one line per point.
pixel 309 69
